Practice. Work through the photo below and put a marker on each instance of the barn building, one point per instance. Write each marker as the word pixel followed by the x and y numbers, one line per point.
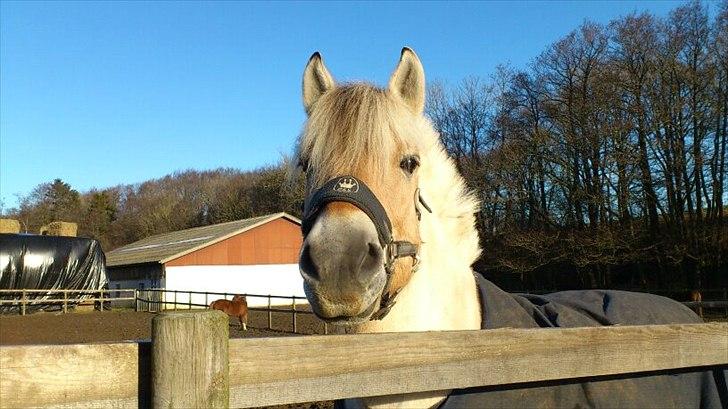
pixel 251 256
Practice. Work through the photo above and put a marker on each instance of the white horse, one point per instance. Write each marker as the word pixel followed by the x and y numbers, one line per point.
pixel 389 228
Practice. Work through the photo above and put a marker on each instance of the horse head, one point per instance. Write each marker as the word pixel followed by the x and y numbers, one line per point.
pixel 361 154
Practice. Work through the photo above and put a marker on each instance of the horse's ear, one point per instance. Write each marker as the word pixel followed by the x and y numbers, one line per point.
pixel 408 80
pixel 316 81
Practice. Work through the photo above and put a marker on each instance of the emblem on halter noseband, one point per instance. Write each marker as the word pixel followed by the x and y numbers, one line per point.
pixel 351 190
pixel 347 185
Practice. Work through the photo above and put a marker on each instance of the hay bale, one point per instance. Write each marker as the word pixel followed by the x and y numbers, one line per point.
pixel 59 229
pixel 9 226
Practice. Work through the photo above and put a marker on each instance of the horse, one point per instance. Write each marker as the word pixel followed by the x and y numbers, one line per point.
pixel 390 238
pixel 238 307
pixel 697 296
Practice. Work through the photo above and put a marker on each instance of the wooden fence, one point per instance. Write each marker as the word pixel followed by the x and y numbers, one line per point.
pixel 194 364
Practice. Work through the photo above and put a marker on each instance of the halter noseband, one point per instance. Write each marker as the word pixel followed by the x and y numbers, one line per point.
pixel 351 190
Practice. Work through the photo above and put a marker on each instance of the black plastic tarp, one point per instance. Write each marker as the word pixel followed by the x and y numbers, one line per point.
pixel 34 262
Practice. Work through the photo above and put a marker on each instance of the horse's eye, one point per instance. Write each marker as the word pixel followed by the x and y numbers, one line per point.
pixel 410 163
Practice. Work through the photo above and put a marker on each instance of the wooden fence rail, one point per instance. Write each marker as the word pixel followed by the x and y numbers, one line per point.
pixel 268 371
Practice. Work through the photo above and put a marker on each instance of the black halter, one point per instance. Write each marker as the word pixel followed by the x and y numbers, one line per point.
pixel 351 190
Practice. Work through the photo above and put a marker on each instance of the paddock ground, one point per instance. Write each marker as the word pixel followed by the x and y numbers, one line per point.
pixel 123 325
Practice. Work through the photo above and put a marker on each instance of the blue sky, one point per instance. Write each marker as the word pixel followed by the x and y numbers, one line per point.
pixel 99 94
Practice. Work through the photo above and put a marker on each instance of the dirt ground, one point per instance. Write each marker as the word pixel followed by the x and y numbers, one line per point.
pixel 81 327
pixel 124 325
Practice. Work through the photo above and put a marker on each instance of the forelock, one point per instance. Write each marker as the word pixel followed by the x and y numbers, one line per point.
pixel 353 128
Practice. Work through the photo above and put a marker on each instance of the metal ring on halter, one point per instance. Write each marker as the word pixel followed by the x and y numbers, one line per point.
pixel 416 262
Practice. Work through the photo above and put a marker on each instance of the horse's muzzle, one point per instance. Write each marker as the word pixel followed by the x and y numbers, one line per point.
pixel 327 310
pixel 342 264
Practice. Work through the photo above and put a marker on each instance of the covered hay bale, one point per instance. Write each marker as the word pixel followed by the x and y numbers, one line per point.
pixel 59 229
pixel 9 226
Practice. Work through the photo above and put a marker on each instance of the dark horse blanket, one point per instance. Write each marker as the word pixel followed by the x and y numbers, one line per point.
pixel 585 309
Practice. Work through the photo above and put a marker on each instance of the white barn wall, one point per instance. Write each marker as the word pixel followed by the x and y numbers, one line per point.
pixel 263 279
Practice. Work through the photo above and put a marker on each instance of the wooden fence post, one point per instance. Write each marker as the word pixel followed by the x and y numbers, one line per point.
pixel 65 301
pixel 190 360
pixel 175 300
pixel 136 300
pixel 293 304
pixel 22 303
pixel 270 314
pixel 189 300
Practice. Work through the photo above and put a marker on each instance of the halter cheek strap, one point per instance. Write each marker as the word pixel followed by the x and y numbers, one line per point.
pixel 351 190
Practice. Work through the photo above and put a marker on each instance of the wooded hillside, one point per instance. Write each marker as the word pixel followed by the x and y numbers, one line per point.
pixel 126 213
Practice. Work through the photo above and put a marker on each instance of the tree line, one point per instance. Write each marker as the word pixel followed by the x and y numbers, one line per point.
pixel 601 164
pixel 126 213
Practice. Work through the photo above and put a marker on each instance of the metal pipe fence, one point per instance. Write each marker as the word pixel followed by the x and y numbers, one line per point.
pixel 66 298
pixel 158 300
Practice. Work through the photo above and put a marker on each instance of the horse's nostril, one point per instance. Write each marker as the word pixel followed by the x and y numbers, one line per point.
pixel 308 267
pixel 372 261
pixel 374 250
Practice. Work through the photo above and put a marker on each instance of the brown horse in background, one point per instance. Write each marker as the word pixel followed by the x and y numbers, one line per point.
pixel 238 307
pixel 697 296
